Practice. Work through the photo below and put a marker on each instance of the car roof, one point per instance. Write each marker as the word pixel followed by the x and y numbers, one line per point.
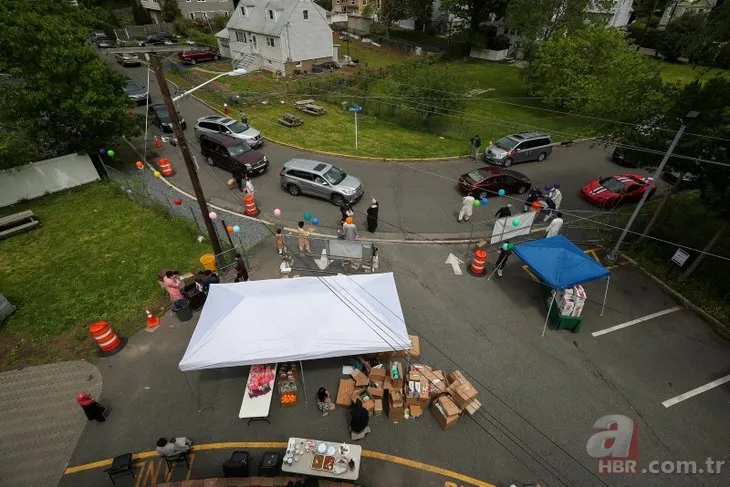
pixel 528 135
pixel 308 165
pixel 159 107
pixel 223 139
pixel 217 119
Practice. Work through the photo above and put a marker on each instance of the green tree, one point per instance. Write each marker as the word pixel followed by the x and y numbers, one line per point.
pixel 475 11
pixel 325 4
pixel 426 87
pixel 140 14
pixel 421 10
pixel 61 95
pixel 592 72
pixel 677 39
pixel 391 11
pixel 170 10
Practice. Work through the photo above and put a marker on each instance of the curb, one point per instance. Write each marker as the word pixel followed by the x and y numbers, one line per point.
pixel 717 325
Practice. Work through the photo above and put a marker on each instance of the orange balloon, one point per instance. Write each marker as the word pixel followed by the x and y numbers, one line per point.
pixel 348 219
pixel 229 229
pixel 140 165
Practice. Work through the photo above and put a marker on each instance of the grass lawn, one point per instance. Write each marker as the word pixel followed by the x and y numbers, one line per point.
pixel 368 55
pixel 685 73
pixel 94 256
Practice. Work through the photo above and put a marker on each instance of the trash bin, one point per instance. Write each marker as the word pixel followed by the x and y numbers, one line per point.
pixel 208 262
pixel 182 310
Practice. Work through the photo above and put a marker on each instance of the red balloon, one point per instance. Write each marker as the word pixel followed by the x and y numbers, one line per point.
pixel 177 201
pixel 139 165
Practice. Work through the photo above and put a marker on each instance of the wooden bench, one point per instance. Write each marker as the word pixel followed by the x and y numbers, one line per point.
pixel 312 109
pixel 301 103
pixel 289 120
pixel 16 223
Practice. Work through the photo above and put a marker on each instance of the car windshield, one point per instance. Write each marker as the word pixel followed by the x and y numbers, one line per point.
pixel 613 184
pixel 239 149
pixel 133 86
pixel 162 114
pixel 334 175
pixel 507 143
pixel 477 176
pixel 238 127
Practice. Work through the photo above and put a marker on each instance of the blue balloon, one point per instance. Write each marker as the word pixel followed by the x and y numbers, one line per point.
pixel 236 228
pixel 485 201
pixel 501 192
pixel 102 151
pixel 315 221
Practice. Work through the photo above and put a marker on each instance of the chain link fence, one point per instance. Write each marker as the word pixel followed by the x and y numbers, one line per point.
pixel 139 32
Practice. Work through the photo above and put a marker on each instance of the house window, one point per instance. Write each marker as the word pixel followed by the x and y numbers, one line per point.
pixel 271 15
pixel 188 1
pixel 270 41
pixel 201 1
pixel 192 15
pixel 337 2
pixel 241 37
pixel 243 11
pixel 268 61
pixel 352 2
pixel 305 13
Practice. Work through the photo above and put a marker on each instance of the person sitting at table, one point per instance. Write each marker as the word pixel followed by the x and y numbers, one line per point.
pixel 324 402
pixel 206 278
pixel 359 419
pixel 364 364
pixel 173 446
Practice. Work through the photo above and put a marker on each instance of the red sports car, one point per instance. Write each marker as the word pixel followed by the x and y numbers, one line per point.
pixel 615 190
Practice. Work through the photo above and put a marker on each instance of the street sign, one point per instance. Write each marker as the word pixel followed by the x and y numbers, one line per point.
pixel 355 108
pixel 680 257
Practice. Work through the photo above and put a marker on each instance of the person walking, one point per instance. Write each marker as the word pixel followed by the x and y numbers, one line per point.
pixel 349 229
pixel 372 212
pixel 241 271
pixel 324 402
pixel 279 241
pixel 303 240
pixel 534 195
pixel 238 174
pixel 467 206
pixel 555 195
pixel 94 411
pixel 345 211
pixel 475 143
pixel 504 253
pixel 504 211
pixel 554 227
pixel 172 284
pixel 249 189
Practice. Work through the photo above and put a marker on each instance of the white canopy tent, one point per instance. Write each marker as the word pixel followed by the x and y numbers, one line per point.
pixel 305 318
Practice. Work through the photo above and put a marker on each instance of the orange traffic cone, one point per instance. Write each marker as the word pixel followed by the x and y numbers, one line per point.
pixel 158 142
pixel 152 321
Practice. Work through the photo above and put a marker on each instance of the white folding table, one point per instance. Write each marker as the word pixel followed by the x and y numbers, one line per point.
pixel 257 408
pixel 304 465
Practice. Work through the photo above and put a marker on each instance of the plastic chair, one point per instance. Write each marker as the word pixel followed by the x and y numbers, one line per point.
pixel 173 460
pixel 237 465
pixel 121 466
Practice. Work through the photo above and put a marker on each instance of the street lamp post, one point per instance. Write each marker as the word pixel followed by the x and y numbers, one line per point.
pixel 687 119
pixel 180 136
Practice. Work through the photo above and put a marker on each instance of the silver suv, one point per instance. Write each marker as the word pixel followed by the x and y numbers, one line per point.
pixel 523 147
pixel 315 178
pixel 215 124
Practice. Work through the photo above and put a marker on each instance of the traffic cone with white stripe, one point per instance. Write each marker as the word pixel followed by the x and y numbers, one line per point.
pixel 152 321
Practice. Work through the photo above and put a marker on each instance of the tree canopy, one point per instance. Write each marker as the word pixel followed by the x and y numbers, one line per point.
pixel 592 72
pixel 475 11
pixel 57 95
pixel 170 10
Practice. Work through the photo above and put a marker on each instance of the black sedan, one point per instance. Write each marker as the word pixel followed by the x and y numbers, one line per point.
pixel 487 181
pixel 161 117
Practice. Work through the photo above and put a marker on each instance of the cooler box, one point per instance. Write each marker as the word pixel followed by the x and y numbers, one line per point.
pixel 556 320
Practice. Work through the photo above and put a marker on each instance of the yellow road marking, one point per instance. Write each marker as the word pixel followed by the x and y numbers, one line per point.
pixel 530 273
pixel 273 444
pixel 140 475
pixel 190 470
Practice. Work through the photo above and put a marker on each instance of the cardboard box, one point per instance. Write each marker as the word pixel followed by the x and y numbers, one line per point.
pixel 395 398
pixel 416 411
pixel 399 379
pixel 378 406
pixel 396 414
pixel 436 382
pixel 361 380
pixel 387 384
pixel 473 407
pixel 443 411
pixel 376 391
pixel 448 406
pixel 377 374
pixel 415 351
pixel 344 392
pixel 368 404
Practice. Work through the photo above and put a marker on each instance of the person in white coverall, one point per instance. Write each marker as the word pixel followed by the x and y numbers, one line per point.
pixel 467 206
pixel 555 225
pixel 555 195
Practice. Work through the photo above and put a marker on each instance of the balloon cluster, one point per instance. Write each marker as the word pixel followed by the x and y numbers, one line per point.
pixel 313 219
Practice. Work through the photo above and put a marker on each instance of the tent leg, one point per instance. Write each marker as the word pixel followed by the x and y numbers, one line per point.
pixel 547 317
pixel 493 272
pixel 304 383
pixel 197 398
pixel 605 294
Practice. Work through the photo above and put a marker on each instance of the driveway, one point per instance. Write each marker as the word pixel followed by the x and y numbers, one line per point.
pixel 414 197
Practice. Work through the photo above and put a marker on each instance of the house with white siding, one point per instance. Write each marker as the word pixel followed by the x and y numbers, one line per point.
pixel 282 36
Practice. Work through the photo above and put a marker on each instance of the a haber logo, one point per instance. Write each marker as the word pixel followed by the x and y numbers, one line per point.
pixel 616 445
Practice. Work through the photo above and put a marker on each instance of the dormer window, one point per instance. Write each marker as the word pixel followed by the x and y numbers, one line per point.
pixel 243 11
pixel 305 13
pixel 271 14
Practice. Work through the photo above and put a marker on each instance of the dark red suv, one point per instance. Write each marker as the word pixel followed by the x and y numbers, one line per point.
pixel 193 56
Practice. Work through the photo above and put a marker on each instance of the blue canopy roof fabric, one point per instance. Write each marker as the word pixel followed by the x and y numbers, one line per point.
pixel 559 262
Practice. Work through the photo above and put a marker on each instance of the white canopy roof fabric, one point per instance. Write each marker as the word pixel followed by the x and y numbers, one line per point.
pixel 304 318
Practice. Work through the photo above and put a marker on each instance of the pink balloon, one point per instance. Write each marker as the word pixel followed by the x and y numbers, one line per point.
pixel 277 212
pixel 213 215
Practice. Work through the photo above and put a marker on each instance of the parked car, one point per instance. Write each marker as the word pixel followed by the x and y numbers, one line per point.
pixel 615 190
pixel 523 147
pixel 128 59
pixel 228 152
pixel 689 180
pixel 136 92
pixel 105 42
pixel 214 124
pixel 487 181
pixel 196 55
pixel 159 38
pixel 315 178
pixel 161 117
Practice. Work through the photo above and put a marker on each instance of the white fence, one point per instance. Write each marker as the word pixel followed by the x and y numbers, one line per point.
pixel 489 54
pixel 49 176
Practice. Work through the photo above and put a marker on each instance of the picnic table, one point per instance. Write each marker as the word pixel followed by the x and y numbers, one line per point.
pixel 309 106
pixel 289 120
pixel 17 222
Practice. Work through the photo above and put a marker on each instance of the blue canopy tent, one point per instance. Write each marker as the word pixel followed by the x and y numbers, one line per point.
pixel 561 264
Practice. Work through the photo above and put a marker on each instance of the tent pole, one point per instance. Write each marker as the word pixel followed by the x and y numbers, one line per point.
pixel 304 382
pixel 490 275
pixel 547 317
pixel 197 398
pixel 605 294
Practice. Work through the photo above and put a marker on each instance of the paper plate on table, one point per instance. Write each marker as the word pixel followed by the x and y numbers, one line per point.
pixel 322 448
pixel 331 450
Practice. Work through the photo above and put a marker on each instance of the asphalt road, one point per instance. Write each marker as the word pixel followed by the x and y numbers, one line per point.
pixel 414 197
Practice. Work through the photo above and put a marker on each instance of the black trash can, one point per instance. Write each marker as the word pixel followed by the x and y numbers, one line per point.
pixel 182 310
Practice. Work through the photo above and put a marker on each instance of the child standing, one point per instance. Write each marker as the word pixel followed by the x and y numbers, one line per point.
pixel 324 403
pixel 279 241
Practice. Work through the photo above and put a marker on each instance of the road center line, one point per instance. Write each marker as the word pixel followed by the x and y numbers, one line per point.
pixel 637 320
pixel 694 392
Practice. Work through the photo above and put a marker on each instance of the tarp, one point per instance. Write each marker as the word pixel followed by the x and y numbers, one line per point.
pixel 559 262
pixel 296 319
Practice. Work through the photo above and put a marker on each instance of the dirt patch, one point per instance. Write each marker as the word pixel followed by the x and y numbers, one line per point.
pixel 6 345
pixel 20 351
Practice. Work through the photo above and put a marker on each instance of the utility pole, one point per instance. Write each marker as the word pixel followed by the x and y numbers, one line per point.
pixel 187 157
pixel 687 119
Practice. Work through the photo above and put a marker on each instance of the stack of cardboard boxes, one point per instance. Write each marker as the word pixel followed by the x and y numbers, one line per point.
pixel 570 301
